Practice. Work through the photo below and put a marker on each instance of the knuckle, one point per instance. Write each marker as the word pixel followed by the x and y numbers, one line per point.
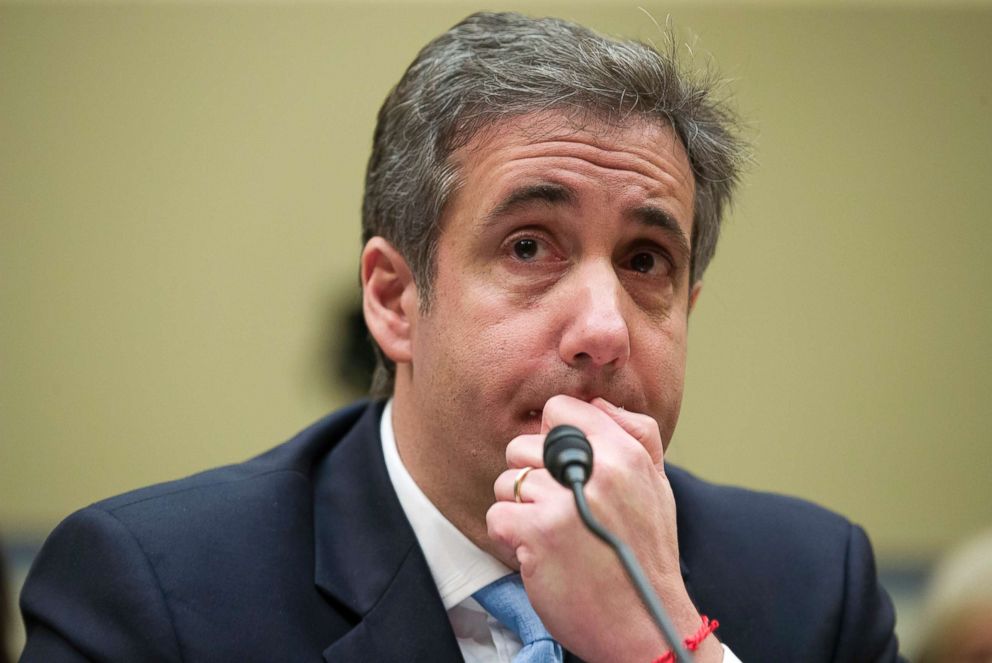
pixel 609 468
pixel 496 525
pixel 642 427
pixel 636 457
pixel 526 558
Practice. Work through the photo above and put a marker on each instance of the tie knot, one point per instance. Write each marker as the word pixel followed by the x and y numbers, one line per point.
pixel 506 600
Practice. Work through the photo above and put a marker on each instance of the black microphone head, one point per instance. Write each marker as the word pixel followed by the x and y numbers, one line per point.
pixel 566 447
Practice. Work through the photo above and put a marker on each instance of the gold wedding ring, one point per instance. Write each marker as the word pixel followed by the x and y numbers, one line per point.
pixel 521 475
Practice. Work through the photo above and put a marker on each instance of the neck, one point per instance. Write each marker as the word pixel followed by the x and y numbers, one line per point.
pixel 463 496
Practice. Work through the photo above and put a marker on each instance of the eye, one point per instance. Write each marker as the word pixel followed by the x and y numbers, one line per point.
pixel 525 248
pixel 642 262
pixel 649 261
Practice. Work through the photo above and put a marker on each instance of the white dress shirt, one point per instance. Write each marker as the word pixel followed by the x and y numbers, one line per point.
pixel 458 566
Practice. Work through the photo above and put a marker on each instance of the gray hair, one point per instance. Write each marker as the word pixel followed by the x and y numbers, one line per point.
pixel 494 66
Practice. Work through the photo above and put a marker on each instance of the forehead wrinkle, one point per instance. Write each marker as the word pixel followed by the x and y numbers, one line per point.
pixel 651 167
pixel 600 141
pixel 667 159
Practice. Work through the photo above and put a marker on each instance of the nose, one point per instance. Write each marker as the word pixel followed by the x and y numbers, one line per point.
pixel 595 333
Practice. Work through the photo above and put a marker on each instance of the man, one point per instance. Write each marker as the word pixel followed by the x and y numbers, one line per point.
pixel 541 204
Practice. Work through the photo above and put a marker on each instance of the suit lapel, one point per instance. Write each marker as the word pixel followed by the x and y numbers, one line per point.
pixel 683 526
pixel 368 560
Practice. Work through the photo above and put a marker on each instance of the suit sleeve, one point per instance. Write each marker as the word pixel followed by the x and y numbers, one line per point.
pixel 867 627
pixel 93 594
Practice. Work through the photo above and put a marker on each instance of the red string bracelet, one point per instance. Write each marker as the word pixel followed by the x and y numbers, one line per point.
pixel 692 642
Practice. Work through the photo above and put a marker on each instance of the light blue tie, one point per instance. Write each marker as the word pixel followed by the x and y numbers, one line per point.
pixel 507 601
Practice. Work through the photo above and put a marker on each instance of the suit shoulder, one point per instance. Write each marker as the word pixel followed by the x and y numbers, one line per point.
pixel 138 576
pixel 764 530
pixel 702 501
pixel 812 570
pixel 237 488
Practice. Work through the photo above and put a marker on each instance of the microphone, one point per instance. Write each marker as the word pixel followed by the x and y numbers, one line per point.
pixel 568 457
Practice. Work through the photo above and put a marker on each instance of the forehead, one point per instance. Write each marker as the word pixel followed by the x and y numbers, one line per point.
pixel 638 160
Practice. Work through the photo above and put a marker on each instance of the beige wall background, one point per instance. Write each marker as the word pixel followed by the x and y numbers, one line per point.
pixel 179 203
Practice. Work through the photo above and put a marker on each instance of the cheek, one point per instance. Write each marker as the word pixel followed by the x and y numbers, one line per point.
pixel 662 378
pixel 507 347
pixel 659 361
pixel 482 343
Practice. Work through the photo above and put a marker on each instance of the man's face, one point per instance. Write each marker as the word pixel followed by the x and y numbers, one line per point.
pixel 562 268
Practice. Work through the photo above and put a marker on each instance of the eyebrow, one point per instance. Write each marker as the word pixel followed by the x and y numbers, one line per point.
pixel 549 193
pixel 656 217
pixel 544 193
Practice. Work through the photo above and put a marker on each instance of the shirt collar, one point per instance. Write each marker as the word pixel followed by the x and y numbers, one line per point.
pixel 458 566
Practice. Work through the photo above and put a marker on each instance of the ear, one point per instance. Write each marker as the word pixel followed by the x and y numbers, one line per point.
pixel 697 287
pixel 389 299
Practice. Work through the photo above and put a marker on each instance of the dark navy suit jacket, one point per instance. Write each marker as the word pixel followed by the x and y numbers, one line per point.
pixel 304 554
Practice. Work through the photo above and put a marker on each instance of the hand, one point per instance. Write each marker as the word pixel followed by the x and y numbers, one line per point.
pixel 573 579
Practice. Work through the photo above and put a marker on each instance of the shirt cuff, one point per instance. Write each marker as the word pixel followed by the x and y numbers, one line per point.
pixel 728 656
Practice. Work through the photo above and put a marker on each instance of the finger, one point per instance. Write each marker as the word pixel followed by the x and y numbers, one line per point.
pixel 568 410
pixel 532 487
pixel 525 450
pixel 613 446
pixel 641 427
pixel 501 524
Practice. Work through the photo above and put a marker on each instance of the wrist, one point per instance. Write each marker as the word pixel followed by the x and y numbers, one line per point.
pixel 689 624
pixel 702 644
pixel 644 643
